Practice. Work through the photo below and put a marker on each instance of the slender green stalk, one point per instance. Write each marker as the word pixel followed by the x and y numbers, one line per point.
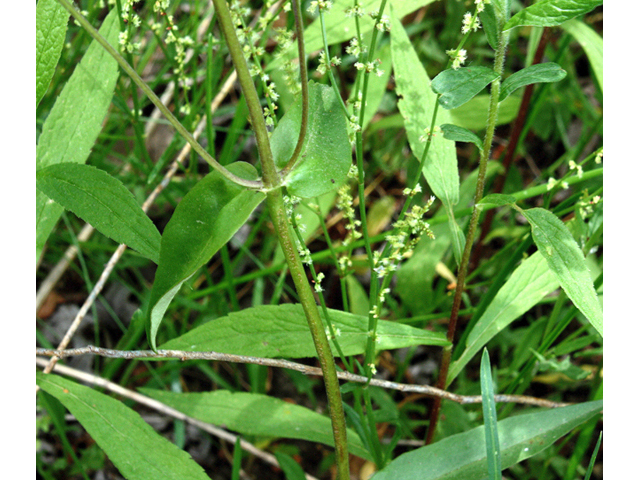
pixel 154 98
pixel 304 86
pixel 473 223
pixel 277 211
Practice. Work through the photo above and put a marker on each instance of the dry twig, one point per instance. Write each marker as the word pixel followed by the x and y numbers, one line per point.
pixel 304 369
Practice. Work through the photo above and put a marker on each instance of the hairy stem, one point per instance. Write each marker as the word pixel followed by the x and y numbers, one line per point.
pixel 473 223
pixel 277 211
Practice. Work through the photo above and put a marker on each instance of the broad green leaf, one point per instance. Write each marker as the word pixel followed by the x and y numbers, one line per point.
pixel 104 202
pixel 473 114
pixel 460 134
pixel 491 434
pixel 51 28
pixel 256 414
pixel 528 284
pixel 136 449
pixel 326 155
pixel 76 119
pixel 341 27
pixel 457 87
pixel 497 199
pixel 206 218
pixel 539 73
pixel 282 331
pixel 464 457
pixel 549 13
pixel 566 261
pixel 592 45
pixel 416 104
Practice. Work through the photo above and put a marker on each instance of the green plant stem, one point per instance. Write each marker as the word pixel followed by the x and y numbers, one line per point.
pixel 275 204
pixel 473 223
pixel 277 212
pixel 154 98
pixel 304 86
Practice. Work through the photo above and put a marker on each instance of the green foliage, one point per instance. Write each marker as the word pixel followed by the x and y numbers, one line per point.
pixel 206 218
pixel 548 13
pixel 104 202
pixel 526 286
pixel 566 261
pixel 282 331
pixel 539 73
pixel 326 153
pixel 464 456
pixel 131 444
pixel 72 126
pixel 456 87
pixel 51 27
pixel 491 435
pixel 417 105
pixel 256 415
pixel 351 270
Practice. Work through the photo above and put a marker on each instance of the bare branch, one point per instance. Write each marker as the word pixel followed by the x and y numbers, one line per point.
pixel 304 369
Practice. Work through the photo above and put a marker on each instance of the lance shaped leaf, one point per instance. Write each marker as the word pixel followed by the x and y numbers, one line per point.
pixel 540 73
pixel 76 119
pixel 549 13
pixel 257 414
pixel 206 218
pixel 566 261
pixel 104 202
pixel 416 103
pixel 136 449
pixel 282 331
pixel 457 87
pixel 592 45
pixel 464 456
pixel 460 134
pixel 51 28
pixel 528 284
pixel 326 153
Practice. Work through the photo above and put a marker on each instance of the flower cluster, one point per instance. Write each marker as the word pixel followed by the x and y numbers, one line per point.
pixel 406 234
pixel 324 65
pixel 578 168
pixel 370 67
pixel 458 57
pixel 470 22
pixel 319 5
pixel 345 204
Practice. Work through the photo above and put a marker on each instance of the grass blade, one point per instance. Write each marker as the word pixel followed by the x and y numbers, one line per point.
pixel 492 439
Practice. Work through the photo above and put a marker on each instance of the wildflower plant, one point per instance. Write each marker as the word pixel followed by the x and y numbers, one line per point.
pixel 363 215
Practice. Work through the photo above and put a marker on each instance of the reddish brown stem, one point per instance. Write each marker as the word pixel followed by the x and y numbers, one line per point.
pixel 514 137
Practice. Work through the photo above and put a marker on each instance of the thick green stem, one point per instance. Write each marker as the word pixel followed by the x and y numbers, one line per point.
pixel 154 98
pixel 277 211
pixel 473 223
pixel 278 214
